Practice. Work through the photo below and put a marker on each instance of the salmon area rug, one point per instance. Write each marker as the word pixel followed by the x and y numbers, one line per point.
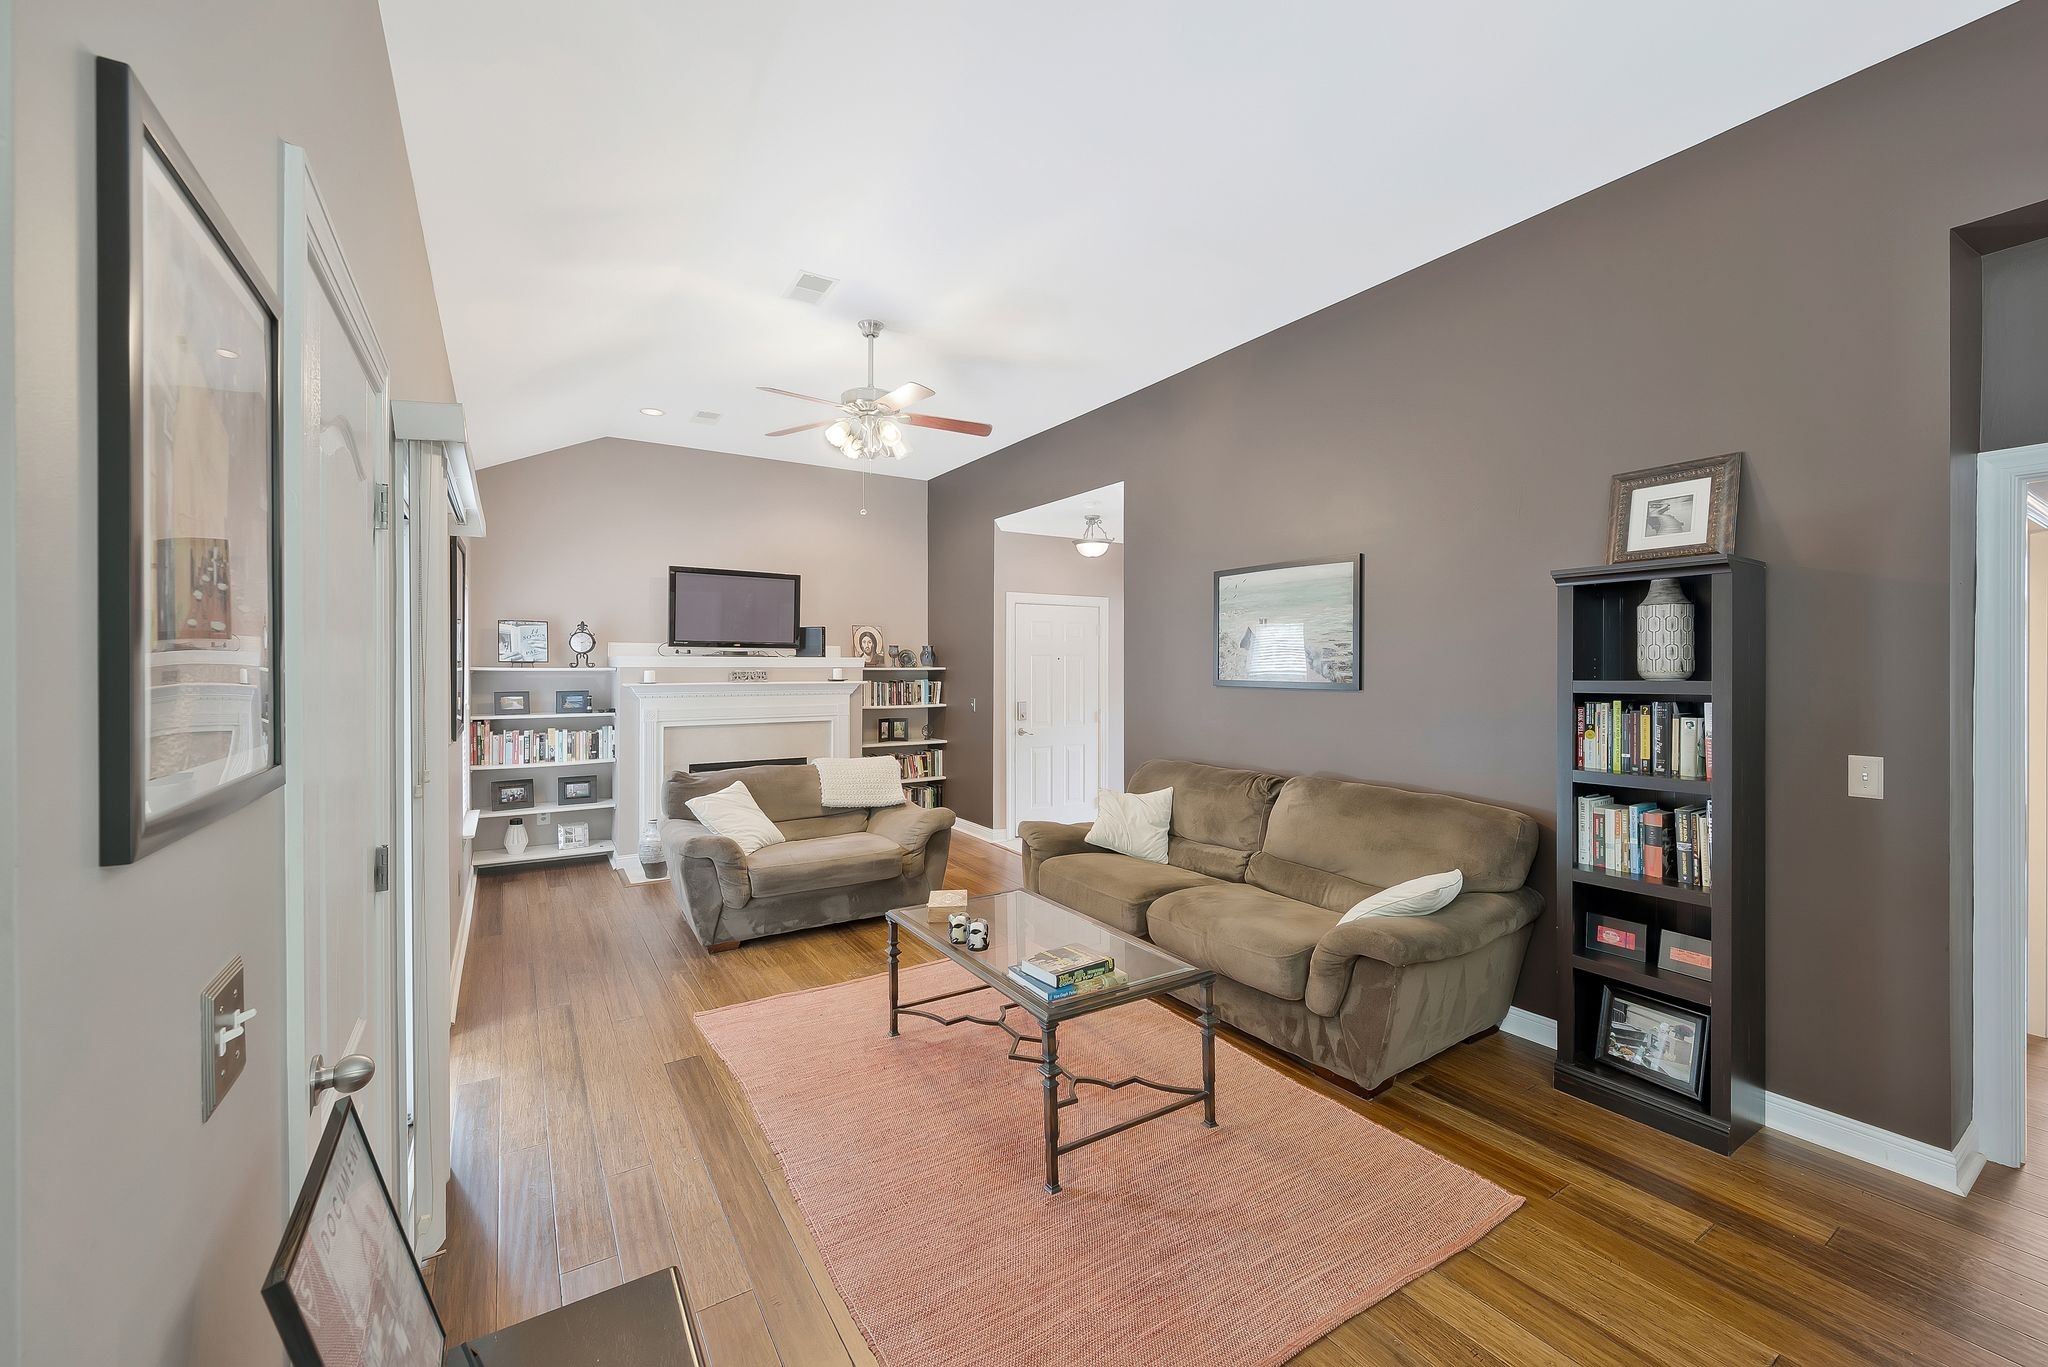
pixel 918 1163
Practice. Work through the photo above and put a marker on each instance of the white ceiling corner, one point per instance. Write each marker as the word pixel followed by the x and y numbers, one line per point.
pixel 1065 517
pixel 1051 206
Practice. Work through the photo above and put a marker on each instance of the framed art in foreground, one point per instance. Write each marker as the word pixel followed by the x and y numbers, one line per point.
pixel 1289 625
pixel 189 514
pixel 1675 510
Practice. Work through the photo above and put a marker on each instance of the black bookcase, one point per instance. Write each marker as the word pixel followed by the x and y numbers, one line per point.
pixel 1596 660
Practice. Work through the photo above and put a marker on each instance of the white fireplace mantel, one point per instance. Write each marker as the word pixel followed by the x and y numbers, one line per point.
pixel 650 715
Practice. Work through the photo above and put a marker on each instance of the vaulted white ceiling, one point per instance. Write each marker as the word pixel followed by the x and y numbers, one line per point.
pixel 1051 205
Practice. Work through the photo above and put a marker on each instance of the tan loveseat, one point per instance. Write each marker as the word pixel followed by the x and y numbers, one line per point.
pixel 835 864
pixel 1259 869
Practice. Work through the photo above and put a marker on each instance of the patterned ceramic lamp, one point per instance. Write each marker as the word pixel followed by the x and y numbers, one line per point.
pixel 1664 633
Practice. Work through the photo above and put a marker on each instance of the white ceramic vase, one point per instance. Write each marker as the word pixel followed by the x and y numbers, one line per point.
pixel 515 837
pixel 1664 632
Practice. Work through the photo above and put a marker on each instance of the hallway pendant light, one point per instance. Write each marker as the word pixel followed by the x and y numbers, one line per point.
pixel 1094 539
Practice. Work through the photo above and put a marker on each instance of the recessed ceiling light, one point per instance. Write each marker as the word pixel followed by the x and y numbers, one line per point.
pixel 705 416
pixel 654 412
pixel 225 354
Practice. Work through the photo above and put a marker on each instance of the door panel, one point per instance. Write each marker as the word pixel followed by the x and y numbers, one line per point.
pixel 1056 740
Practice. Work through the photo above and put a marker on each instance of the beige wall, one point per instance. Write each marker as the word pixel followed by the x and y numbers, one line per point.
pixel 588 533
pixel 1026 563
pixel 146 1233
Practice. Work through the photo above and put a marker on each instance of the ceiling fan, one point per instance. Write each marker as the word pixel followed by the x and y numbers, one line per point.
pixel 871 423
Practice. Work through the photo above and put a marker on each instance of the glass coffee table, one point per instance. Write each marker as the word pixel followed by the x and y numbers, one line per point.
pixel 1021 924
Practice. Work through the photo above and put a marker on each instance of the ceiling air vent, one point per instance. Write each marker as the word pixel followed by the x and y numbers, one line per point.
pixel 809 288
pixel 705 416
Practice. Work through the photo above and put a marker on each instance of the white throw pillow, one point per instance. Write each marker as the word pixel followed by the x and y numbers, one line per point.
pixel 733 813
pixel 1416 897
pixel 1133 823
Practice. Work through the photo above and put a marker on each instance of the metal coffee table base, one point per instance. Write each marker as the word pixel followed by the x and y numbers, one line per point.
pixel 1051 1070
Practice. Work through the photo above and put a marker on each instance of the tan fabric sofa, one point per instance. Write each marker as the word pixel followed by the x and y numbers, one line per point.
pixel 834 865
pixel 1260 868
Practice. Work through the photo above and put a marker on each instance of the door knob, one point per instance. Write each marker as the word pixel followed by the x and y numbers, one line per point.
pixel 347 1075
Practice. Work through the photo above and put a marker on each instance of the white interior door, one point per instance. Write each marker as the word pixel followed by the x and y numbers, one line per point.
pixel 1058 672
pixel 342 937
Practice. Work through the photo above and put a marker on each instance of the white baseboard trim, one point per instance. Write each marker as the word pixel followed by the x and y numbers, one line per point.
pixel 462 928
pixel 1952 1170
pixel 988 835
pixel 1530 1026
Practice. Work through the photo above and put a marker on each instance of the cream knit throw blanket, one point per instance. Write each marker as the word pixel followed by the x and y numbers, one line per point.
pixel 871 781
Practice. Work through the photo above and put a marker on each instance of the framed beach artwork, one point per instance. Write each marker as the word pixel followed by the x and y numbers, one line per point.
pixel 1289 625
pixel 189 513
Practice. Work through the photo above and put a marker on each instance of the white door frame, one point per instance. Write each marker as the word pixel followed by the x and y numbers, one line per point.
pixel 308 233
pixel 1006 792
pixel 1998 847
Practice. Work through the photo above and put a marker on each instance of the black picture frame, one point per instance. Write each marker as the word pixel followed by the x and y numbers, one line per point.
pixel 521 787
pixel 458 634
pixel 1610 1050
pixel 1224 677
pixel 1622 939
pixel 343 1124
pixel 574 700
pixel 131 137
pixel 576 788
pixel 510 702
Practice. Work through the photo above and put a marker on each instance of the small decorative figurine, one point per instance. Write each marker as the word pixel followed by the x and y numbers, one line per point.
pixel 977 934
pixel 956 927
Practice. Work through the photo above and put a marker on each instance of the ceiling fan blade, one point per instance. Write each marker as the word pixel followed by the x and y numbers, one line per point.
pixel 792 394
pixel 972 429
pixel 805 427
pixel 904 395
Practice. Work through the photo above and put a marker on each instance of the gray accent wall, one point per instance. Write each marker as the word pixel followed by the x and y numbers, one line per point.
pixel 588 533
pixel 145 1234
pixel 1782 290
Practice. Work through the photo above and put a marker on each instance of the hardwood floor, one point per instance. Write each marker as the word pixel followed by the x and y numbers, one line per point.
pixel 597 1137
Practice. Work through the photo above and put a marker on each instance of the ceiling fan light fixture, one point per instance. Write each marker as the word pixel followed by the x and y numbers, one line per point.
pixel 836 434
pixel 1094 539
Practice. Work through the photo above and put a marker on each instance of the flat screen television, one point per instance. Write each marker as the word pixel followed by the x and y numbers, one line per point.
pixel 733 609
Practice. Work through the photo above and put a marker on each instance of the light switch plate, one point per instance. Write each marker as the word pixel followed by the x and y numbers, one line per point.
pixel 1866 776
pixel 218 1071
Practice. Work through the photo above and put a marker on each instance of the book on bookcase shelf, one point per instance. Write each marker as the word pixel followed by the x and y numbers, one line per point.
pixel 1656 739
pixel 923 795
pixel 905 692
pixel 541 745
pixel 1647 841
pixel 923 764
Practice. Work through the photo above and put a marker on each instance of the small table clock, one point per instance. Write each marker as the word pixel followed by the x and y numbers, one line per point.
pixel 581 643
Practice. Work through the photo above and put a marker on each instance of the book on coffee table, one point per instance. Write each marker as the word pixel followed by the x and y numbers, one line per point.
pixel 1066 965
pixel 1094 982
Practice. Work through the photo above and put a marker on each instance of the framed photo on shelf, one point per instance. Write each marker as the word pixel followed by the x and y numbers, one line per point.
pixel 867 643
pixel 516 701
pixel 509 795
pixel 1658 1041
pixel 1294 624
pixel 576 788
pixel 190 531
pixel 572 835
pixel 1686 954
pixel 1675 510
pixel 1617 938
pixel 522 643
pixel 573 700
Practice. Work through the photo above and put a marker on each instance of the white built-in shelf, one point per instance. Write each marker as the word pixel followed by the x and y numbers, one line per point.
pixel 906 669
pixel 538 854
pixel 605 805
pixel 543 764
pixel 914 782
pixel 901 744
pixel 538 716
pixel 543 669
pixel 469 820
pixel 901 706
